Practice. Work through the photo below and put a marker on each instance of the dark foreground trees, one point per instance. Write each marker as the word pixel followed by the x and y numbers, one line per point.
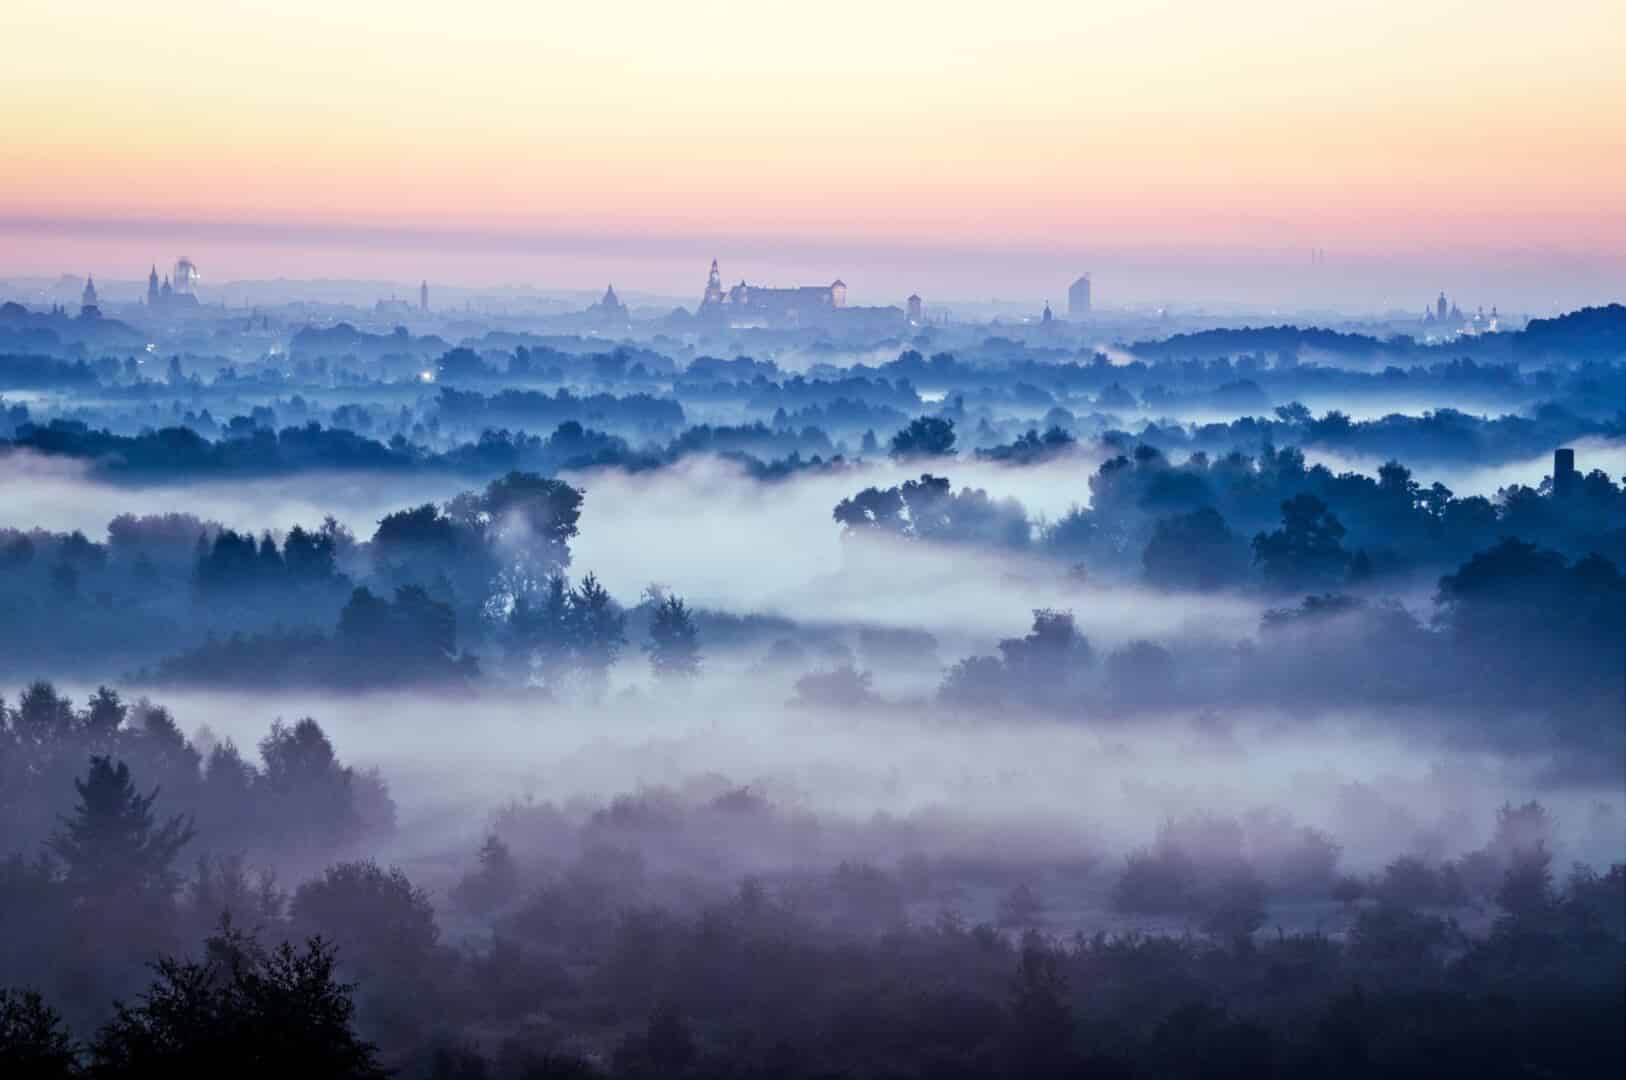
pixel 241 1011
pixel 33 1042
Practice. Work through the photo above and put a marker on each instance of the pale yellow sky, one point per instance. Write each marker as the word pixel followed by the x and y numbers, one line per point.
pixel 1366 126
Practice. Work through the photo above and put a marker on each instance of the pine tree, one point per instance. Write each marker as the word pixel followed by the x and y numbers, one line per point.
pixel 599 628
pixel 674 642
pixel 112 846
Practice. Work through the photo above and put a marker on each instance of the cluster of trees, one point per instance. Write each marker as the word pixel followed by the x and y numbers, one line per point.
pixel 298 797
pixel 928 509
pixel 1187 525
pixel 410 639
pixel 92 886
pixel 320 608
pixel 557 633
pixel 805 974
pixel 1031 448
pixel 1516 628
pixel 233 562
pixel 536 410
pixel 815 975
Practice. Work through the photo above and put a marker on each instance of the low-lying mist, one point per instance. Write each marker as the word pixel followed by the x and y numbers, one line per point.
pixel 883 783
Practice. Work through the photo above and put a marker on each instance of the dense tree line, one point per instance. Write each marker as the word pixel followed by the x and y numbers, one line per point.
pixel 800 975
pixel 1189 524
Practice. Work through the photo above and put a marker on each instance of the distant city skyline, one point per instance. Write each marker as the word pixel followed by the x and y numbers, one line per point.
pixel 1054 138
pixel 1263 281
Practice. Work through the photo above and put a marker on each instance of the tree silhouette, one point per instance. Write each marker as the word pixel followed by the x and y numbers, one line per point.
pixel 674 642
pixel 535 513
pixel 384 925
pixel 872 508
pixel 311 793
pixel 43 716
pixel 1041 1020
pixel 112 846
pixel 926 436
pixel 104 714
pixel 1527 887
pixel 598 629
pixel 1193 551
pixel 33 1043
pixel 494 884
pixel 539 629
pixel 239 1012
pixel 1306 548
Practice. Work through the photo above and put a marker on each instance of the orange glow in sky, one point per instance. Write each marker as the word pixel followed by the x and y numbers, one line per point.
pixel 1368 127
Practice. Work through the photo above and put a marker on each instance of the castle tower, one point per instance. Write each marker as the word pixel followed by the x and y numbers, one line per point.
pixel 714 287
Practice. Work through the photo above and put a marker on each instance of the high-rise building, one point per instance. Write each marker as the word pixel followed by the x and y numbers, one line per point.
pixel 152 286
pixel 1078 298
pixel 1565 479
pixel 185 278
pixel 423 296
pixel 916 311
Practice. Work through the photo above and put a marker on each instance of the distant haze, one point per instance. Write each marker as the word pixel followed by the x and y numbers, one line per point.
pixel 908 145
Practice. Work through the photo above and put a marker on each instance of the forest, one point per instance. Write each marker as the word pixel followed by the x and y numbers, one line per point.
pixel 478 699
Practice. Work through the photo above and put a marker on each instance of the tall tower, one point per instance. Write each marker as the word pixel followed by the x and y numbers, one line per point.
pixel 916 310
pixel 1565 478
pixel 1441 309
pixel 714 287
pixel 185 277
pixel 423 296
pixel 1078 298
pixel 152 286
pixel 87 299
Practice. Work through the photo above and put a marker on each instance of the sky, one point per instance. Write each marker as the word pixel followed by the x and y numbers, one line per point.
pixel 889 132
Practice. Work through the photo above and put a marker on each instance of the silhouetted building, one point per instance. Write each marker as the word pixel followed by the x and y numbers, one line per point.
pixel 1047 316
pixel 714 288
pixel 916 312
pixel 1078 298
pixel 423 297
pixel 609 310
pixel 1566 481
pixel 87 299
pixel 805 303
pixel 185 277
pixel 1445 315
pixel 168 295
